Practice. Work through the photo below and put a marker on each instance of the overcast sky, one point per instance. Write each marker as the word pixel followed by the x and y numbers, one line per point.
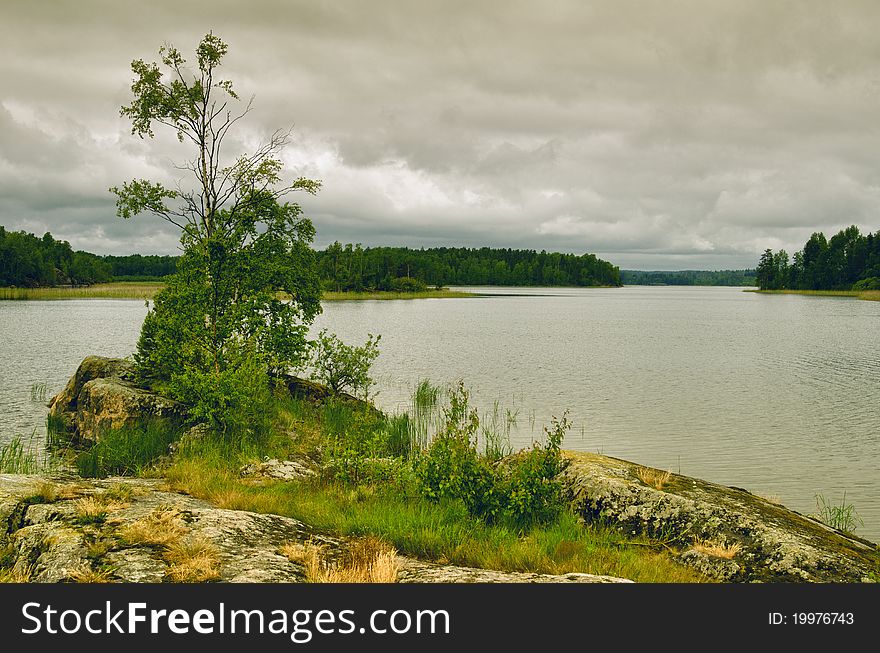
pixel 658 135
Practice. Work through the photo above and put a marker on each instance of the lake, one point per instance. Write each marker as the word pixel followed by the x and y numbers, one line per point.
pixel 777 394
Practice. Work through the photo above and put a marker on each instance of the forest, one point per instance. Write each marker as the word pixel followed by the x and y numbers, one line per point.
pixel 688 278
pixel 29 261
pixel 848 261
pixel 352 267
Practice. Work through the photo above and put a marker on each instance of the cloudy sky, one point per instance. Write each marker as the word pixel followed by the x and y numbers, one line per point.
pixel 657 134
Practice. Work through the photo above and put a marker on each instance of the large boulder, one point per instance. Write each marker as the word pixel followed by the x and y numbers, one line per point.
pixel 102 395
pixel 725 532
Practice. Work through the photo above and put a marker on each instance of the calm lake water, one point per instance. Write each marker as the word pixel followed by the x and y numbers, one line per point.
pixel 776 394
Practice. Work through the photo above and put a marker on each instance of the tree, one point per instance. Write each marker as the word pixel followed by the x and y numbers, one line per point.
pixel 241 245
pixel 765 274
pixel 345 367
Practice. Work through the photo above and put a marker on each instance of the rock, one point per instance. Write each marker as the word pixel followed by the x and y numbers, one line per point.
pixel 758 541
pixel 281 470
pixel 416 571
pixel 101 396
pixel 54 542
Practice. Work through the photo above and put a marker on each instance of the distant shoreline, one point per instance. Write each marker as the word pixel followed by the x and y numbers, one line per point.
pixel 147 289
pixel 868 295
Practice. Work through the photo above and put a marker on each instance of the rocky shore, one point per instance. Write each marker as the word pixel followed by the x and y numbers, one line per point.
pixel 68 528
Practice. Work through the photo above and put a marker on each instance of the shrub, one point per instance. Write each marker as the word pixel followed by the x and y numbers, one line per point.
pixel 453 468
pixel 408 284
pixel 871 283
pixel 345 367
pixel 533 490
pixel 234 401
pixel 524 489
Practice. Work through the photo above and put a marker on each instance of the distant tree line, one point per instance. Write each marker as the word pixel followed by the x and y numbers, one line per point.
pixel 688 278
pixel 136 267
pixel 848 261
pixel 352 267
pixel 29 261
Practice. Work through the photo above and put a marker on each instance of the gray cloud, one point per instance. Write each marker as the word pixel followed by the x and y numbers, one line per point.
pixel 655 134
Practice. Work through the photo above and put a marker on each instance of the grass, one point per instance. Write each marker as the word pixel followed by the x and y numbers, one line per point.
pixel 390 505
pixel 148 289
pixel 717 549
pixel 192 560
pixel 653 477
pixel 86 574
pixel 869 295
pixel 162 527
pixel 367 560
pixel 20 456
pixel 842 516
pixel 125 451
pixel 19 573
pixel 440 532
pixel 116 290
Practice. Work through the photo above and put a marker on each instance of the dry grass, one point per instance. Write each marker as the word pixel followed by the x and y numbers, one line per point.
pixel 367 560
pixel 653 477
pixel 19 573
pixel 90 510
pixel 49 492
pixel 192 560
pixel 717 549
pixel 94 509
pixel 119 493
pixel 162 527
pixel 772 498
pixel 86 574
pixel 99 547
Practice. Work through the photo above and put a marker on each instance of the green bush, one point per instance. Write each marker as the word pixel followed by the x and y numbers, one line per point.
pixel 871 283
pixel 344 367
pixel 533 489
pixel 408 284
pixel 524 490
pixel 235 401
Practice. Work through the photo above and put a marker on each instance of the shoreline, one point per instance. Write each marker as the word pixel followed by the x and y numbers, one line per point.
pixel 865 295
pixel 146 290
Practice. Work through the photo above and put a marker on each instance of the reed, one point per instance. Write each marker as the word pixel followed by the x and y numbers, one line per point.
pixel 119 290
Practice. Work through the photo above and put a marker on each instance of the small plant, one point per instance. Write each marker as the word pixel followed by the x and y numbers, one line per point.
pixel 192 560
pixel 87 574
pixel 344 367
pixel 38 392
pixel 90 510
pixel 162 527
pixel 717 549
pixel 21 457
pixel 453 468
pixel 18 573
pixel 842 517
pixel 533 489
pixel 367 560
pixel 653 477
